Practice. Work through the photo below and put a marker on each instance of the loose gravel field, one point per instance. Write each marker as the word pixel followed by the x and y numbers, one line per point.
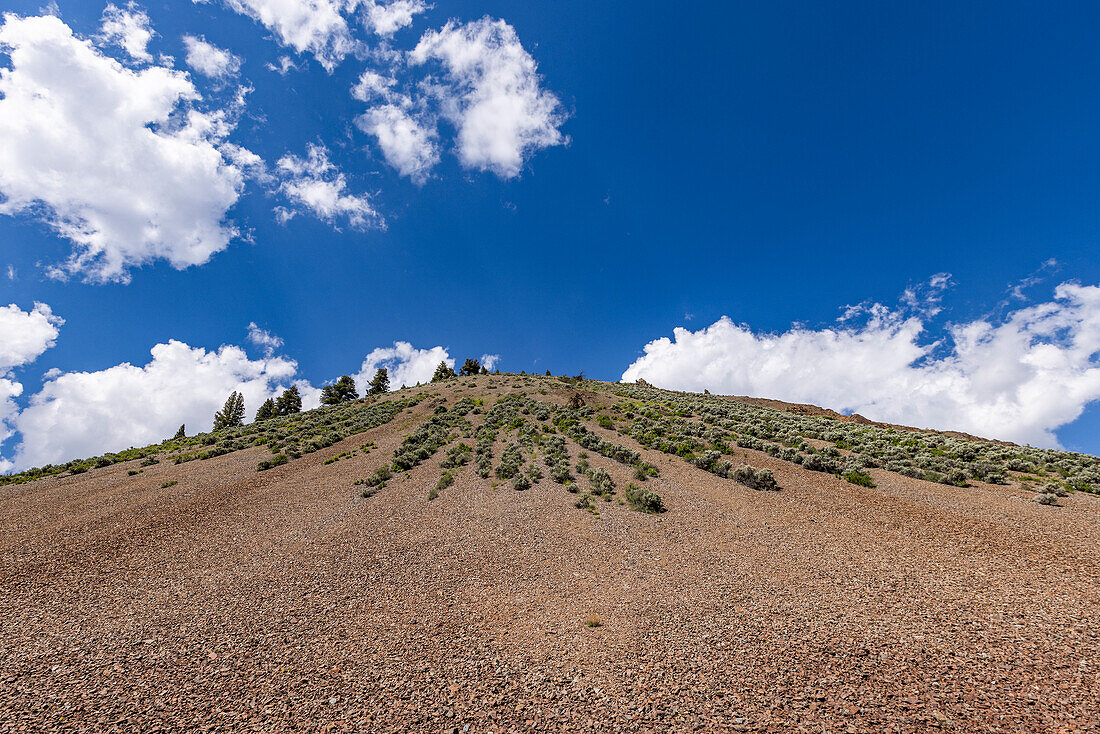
pixel 240 601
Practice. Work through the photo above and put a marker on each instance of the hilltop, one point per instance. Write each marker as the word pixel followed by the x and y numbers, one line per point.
pixel 520 552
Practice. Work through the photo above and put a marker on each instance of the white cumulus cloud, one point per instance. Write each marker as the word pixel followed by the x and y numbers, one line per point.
pixel 79 414
pixel 385 19
pixel 116 160
pixel 314 184
pixel 405 364
pixel 317 27
pixel 128 28
pixel 407 144
pixel 24 335
pixel 209 60
pixel 1019 378
pixel 492 93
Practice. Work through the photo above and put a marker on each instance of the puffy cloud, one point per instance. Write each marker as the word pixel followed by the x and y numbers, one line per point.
pixel 406 364
pixel 492 95
pixel 489 361
pixel 372 86
pixel 129 29
pixel 24 335
pixel 387 19
pixel 314 184
pixel 264 339
pixel 308 26
pixel 79 414
pixel 116 160
pixel 209 60
pixel 407 145
pixel 1018 379
pixel 9 389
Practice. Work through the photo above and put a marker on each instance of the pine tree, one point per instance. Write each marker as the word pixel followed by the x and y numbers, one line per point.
pixel 267 410
pixel 341 391
pixel 443 372
pixel 232 413
pixel 470 367
pixel 181 433
pixel 381 382
pixel 289 402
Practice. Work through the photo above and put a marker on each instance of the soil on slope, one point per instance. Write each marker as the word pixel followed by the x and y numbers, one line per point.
pixel 239 600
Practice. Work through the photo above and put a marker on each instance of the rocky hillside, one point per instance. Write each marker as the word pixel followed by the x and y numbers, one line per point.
pixel 509 552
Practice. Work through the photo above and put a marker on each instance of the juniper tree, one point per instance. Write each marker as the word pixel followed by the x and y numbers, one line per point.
pixel 470 367
pixel 340 391
pixel 380 384
pixel 289 402
pixel 267 410
pixel 232 413
pixel 181 433
pixel 443 372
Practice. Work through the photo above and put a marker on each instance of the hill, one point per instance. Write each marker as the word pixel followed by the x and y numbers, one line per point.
pixel 510 552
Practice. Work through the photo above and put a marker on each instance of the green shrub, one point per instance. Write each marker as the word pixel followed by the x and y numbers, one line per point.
pixel 274 461
pixel 955 477
pixel 761 479
pixel 457 456
pixel 601 482
pixel 644 500
pixel 863 479
pixel 511 459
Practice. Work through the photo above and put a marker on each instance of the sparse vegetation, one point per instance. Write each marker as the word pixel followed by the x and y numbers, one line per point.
pixel 713 433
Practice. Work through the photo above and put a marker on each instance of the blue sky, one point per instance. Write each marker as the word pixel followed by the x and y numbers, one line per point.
pixel 773 163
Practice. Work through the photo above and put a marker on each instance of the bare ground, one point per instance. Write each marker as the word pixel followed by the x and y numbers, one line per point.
pixel 275 601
